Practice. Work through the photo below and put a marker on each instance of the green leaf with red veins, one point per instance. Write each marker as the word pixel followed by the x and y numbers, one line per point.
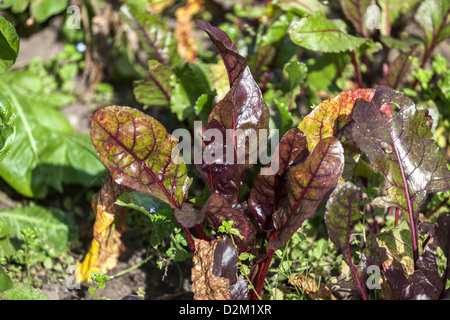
pixel 397 139
pixel 137 151
pixel 308 183
pixel 342 211
pixel 268 189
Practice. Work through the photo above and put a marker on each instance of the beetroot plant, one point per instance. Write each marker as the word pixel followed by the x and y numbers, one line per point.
pixel 233 235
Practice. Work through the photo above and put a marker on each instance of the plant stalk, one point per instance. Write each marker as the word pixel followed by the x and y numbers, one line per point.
pixel 357 72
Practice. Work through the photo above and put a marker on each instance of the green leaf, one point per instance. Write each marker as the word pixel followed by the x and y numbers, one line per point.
pixel 7 131
pixel 154 35
pixel 155 89
pixel 317 33
pixel 397 242
pixel 138 152
pixel 192 81
pixel 43 9
pixel 432 16
pixel 5 280
pixel 296 73
pixel 301 7
pixel 22 292
pixel 9 45
pixel 55 228
pixel 355 12
pixel 391 11
pixel 47 152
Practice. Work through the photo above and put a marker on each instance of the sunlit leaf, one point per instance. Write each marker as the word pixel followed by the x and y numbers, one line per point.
pixel 109 225
pixel 318 33
pixel 137 150
pixel 155 89
pixel 308 183
pixel 268 189
pixel 333 114
pixel 9 42
pixel 397 139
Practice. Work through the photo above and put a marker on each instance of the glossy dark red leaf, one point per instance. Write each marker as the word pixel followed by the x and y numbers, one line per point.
pixel 308 183
pixel 218 209
pixel 242 110
pixel 268 189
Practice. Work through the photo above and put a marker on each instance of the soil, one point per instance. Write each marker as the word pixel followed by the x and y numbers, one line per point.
pixel 148 280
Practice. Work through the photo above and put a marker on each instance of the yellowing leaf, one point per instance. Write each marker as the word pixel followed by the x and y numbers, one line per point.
pixel 187 46
pixel 109 225
pixel 331 115
pixel 311 287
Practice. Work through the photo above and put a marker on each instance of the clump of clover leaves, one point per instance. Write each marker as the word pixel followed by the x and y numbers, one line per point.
pixel 315 163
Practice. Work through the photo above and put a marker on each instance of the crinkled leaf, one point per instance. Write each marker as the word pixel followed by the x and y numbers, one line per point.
pixel 139 153
pixel 9 42
pixel 219 209
pixel 21 291
pixel 268 188
pixel 399 144
pixel 207 285
pixel 318 33
pixel 243 108
pixel 109 225
pixel 330 116
pixel 308 182
pixel 155 89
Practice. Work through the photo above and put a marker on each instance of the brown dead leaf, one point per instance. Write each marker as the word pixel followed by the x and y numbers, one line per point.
pixel 187 46
pixel 205 285
pixel 109 225
pixel 308 284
